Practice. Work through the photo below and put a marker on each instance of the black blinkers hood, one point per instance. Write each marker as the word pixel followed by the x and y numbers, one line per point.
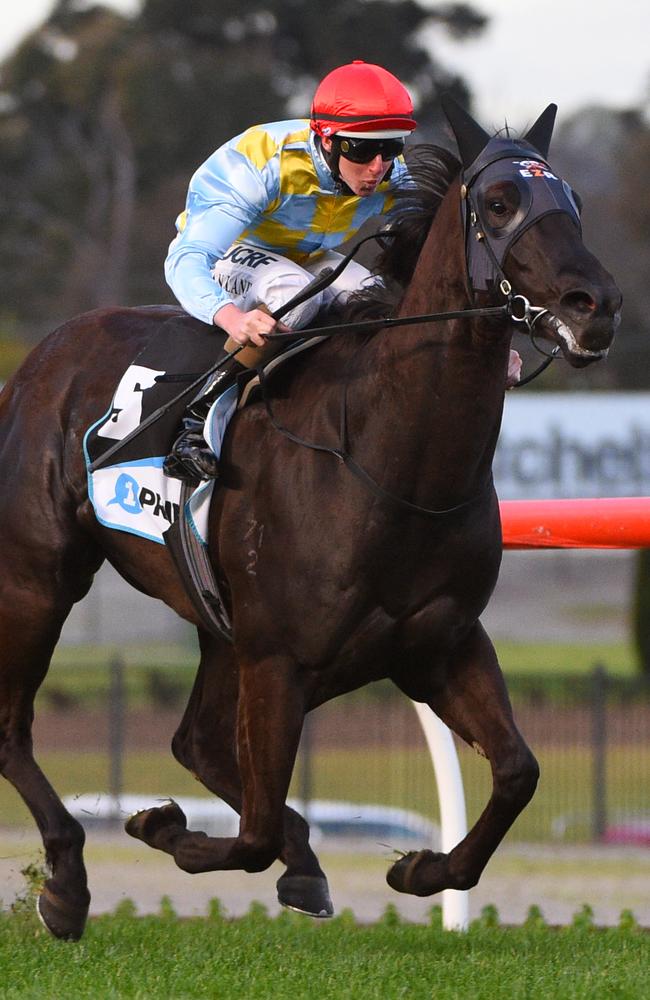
pixel 541 192
pixel 520 162
pixel 499 148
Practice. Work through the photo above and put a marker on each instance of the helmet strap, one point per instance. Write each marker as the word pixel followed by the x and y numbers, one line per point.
pixel 332 161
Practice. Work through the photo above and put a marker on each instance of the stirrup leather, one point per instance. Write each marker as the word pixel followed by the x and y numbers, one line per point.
pixel 191 459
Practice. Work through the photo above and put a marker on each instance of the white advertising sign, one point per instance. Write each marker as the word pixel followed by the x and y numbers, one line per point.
pixel 590 444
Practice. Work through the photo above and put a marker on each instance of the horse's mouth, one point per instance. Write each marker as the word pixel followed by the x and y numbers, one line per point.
pixel 576 353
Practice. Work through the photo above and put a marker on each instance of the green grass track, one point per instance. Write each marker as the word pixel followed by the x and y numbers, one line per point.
pixel 293 958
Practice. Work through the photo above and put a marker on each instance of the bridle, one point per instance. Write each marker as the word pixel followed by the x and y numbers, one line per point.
pixel 484 273
pixel 541 193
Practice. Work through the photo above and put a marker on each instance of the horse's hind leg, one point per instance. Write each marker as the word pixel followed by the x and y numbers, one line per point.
pixel 242 729
pixel 475 704
pixel 205 744
pixel 27 639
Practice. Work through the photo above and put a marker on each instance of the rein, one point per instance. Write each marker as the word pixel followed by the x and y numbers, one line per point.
pixel 390 321
pixel 329 274
pixel 529 316
pixel 529 313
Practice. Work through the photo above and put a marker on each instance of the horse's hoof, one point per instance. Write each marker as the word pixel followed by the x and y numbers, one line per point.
pixel 420 873
pixel 307 894
pixel 60 917
pixel 146 823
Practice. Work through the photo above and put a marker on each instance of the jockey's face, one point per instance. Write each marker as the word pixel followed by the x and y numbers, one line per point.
pixel 361 178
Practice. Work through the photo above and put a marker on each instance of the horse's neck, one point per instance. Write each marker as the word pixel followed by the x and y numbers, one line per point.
pixel 439 387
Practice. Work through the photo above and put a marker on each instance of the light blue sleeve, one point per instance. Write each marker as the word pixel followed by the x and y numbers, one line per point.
pixel 401 177
pixel 226 194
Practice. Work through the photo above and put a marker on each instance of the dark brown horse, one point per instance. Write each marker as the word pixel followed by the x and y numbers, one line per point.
pixel 330 584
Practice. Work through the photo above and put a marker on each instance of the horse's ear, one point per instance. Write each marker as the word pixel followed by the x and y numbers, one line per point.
pixel 539 134
pixel 471 138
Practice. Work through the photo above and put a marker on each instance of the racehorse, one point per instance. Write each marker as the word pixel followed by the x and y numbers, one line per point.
pixel 333 579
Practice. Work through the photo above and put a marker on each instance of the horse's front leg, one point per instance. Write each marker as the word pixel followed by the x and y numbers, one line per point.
pixel 270 713
pixel 475 704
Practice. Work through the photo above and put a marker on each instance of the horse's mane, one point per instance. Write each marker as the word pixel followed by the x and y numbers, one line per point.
pixel 432 170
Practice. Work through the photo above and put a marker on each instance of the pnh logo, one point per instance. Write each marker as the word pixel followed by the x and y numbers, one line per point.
pixel 135 499
pixel 127 492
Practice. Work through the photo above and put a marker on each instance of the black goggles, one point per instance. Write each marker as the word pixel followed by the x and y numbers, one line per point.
pixel 365 150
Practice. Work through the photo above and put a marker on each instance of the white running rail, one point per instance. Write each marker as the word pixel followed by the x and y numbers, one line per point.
pixel 453 815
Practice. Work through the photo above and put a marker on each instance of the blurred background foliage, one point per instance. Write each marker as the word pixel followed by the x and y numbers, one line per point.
pixel 104 118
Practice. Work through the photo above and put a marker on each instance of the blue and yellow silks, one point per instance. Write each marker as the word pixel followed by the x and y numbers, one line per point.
pixel 269 186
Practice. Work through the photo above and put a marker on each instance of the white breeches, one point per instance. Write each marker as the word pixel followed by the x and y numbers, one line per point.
pixel 254 277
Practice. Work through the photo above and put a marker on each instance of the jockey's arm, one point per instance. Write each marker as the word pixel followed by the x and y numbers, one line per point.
pixel 226 195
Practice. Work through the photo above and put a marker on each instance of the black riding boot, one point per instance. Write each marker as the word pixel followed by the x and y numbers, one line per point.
pixel 191 458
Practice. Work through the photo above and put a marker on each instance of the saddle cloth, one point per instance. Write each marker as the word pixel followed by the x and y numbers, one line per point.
pixel 131 492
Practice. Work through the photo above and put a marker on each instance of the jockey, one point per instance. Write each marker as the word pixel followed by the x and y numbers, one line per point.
pixel 262 217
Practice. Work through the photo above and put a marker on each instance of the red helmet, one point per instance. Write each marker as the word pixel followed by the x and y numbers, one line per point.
pixel 364 99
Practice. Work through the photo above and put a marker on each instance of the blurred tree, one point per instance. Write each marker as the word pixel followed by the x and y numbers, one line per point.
pixel 103 119
pixel 603 152
pixel 67 167
pixel 629 233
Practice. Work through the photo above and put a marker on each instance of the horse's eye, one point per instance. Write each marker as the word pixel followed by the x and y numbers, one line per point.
pixel 498 205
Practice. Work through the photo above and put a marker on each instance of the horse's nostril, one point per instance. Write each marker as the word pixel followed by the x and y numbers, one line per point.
pixel 579 302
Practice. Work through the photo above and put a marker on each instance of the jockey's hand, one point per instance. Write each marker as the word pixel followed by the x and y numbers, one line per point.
pixel 246 327
pixel 514 369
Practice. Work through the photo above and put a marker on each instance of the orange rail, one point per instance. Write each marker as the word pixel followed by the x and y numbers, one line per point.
pixel 611 523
